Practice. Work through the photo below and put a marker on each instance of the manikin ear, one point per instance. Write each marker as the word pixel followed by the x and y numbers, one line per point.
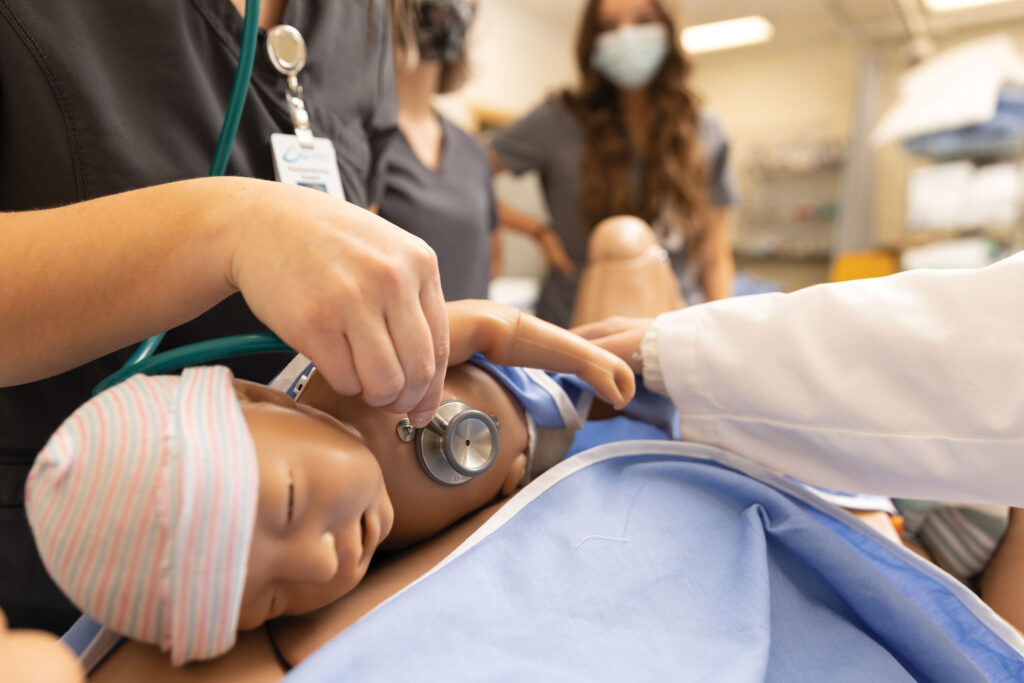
pixel 515 475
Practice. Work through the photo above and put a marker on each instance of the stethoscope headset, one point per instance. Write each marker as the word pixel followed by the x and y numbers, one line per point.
pixel 458 444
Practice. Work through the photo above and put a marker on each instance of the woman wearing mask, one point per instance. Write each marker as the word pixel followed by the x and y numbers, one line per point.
pixel 438 182
pixel 630 140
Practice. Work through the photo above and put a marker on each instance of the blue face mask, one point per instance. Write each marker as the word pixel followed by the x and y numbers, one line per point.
pixel 631 55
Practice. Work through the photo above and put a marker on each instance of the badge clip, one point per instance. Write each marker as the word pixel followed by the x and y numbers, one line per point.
pixel 286 50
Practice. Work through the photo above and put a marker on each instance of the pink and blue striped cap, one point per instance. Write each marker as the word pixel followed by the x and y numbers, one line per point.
pixel 143 505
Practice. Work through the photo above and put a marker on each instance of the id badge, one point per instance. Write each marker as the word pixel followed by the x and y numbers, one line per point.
pixel 315 166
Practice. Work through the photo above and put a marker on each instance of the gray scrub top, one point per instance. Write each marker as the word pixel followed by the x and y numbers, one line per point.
pixel 451 208
pixel 549 140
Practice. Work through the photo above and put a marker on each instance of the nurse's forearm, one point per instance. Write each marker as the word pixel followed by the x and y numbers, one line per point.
pixel 908 386
pixel 79 281
pixel 356 294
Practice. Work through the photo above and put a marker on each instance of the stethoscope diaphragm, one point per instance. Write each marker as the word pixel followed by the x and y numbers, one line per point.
pixel 458 444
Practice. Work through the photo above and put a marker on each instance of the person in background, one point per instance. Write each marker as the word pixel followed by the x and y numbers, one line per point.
pixel 632 139
pixel 438 181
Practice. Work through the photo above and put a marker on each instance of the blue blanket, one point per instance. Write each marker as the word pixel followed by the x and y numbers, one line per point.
pixel 668 561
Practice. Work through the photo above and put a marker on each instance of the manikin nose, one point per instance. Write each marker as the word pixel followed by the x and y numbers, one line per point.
pixel 317 563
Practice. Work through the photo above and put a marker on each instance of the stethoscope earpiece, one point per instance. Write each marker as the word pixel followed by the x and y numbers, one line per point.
pixel 458 444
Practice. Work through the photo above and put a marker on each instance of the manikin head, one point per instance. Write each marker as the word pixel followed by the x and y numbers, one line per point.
pixel 180 510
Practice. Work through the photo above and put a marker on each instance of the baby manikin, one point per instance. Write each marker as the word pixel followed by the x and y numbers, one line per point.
pixel 180 510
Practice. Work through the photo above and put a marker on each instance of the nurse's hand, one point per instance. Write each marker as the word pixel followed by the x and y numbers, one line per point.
pixel 357 295
pixel 621 336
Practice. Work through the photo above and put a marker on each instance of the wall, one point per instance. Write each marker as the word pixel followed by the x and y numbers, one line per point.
pixel 775 94
pixel 768 93
pixel 517 57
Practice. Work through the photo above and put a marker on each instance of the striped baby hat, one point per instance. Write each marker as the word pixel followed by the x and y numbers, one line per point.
pixel 143 505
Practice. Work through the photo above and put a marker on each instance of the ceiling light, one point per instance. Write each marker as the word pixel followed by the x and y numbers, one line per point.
pixel 723 35
pixel 950 5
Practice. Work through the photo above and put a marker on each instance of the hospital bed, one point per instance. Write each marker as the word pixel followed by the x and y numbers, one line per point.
pixel 659 560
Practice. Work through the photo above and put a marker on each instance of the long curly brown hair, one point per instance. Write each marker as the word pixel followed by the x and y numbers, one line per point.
pixel 674 186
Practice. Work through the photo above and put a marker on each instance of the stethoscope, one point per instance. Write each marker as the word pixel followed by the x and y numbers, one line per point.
pixel 145 359
pixel 459 443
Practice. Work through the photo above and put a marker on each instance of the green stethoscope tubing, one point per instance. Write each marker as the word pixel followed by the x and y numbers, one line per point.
pixel 243 74
pixel 143 359
pixel 196 354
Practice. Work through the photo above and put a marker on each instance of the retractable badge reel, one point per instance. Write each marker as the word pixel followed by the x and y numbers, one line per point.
pixel 299 159
pixel 286 50
pixel 458 444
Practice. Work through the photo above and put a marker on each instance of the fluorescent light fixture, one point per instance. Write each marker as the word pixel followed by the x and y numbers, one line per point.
pixel 950 5
pixel 724 35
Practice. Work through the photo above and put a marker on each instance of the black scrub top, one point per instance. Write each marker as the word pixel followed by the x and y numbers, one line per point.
pixel 451 208
pixel 101 97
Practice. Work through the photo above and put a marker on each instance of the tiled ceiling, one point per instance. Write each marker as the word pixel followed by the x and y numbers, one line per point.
pixel 805 19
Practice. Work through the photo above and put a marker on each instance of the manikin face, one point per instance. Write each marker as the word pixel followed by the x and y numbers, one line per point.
pixel 331 491
pixel 323 508
pixel 615 13
pixel 422 506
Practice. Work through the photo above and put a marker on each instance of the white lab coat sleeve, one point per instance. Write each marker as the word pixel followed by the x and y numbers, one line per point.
pixel 910 386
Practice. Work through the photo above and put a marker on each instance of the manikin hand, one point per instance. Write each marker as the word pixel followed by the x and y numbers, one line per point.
pixel 510 337
pixel 621 336
pixel 357 295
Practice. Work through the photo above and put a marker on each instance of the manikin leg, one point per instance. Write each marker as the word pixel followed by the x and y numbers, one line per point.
pixel 627 274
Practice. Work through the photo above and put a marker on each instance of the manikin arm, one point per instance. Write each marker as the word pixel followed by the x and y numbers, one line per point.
pixel 508 336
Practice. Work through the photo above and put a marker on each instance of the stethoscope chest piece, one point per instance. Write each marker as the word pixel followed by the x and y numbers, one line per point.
pixel 459 443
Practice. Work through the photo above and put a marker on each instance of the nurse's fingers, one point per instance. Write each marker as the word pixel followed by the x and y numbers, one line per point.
pixel 337 366
pixel 625 345
pixel 613 325
pixel 413 350
pixel 621 336
pixel 376 362
pixel 436 313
